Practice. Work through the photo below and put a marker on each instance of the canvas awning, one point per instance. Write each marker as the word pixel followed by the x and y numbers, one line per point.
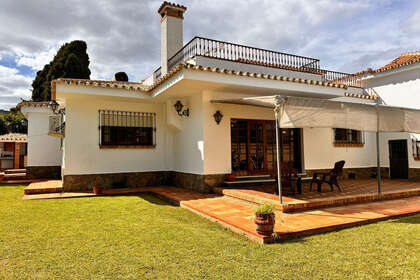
pixel 301 112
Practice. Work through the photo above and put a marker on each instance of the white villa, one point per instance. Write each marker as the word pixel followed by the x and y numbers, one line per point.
pixel 183 125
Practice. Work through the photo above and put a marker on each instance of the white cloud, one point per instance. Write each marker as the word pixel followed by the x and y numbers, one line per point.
pixel 13 87
pixel 124 35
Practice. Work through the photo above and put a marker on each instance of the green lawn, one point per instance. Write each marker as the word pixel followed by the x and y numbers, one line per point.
pixel 142 237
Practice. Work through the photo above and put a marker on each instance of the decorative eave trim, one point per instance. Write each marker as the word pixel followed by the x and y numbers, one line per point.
pixel 139 87
pixel 362 96
pixel 34 104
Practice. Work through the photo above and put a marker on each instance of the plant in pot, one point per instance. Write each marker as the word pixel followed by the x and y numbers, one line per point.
pixel 230 178
pixel 265 219
pixel 98 190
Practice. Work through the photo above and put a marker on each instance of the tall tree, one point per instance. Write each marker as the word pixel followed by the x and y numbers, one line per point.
pixel 71 61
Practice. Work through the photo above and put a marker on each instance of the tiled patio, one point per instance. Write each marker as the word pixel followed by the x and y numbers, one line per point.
pixel 353 191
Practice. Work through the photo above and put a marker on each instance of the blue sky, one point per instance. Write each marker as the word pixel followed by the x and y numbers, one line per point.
pixel 347 36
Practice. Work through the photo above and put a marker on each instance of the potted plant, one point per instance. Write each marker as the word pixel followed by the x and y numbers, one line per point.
pixel 230 178
pixel 98 190
pixel 265 219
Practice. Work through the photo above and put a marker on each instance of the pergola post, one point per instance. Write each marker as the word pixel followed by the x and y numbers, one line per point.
pixel 378 156
pixel 276 113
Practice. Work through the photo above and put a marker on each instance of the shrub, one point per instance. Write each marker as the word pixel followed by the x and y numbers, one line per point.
pixel 266 208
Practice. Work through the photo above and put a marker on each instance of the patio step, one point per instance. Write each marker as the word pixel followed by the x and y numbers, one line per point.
pixel 253 180
pixel 14 171
pixel 14 176
pixel 44 187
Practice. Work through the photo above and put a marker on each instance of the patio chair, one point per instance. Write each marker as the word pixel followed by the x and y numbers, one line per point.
pixel 328 177
pixel 288 174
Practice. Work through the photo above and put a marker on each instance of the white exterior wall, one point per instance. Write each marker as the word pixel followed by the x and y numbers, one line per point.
pixel 171 32
pixel 401 88
pixel 217 149
pixel 246 67
pixel 188 141
pixel 43 150
pixel 320 152
pixel 82 153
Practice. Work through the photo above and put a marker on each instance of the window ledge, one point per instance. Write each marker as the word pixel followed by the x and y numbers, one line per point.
pixel 126 147
pixel 355 145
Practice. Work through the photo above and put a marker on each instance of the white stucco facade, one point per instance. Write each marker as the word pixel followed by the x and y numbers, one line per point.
pixel 43 150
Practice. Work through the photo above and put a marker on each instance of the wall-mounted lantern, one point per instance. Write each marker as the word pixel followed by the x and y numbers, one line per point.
pixel 178 107
pixel 54 107
pixel 218 116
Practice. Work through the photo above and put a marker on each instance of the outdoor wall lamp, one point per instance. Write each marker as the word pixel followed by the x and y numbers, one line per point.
pixel 218 116
pixel 178 107
pixel 54 106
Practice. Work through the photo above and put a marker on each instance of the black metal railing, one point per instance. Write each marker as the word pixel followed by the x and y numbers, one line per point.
pixel 158 73
pixel 239 53
pixel 341 78
pixel 121 128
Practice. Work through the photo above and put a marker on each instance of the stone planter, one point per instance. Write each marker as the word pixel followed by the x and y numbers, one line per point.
pixel 265 223
pixel 98 190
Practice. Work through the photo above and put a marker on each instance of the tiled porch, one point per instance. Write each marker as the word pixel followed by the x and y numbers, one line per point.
pixel 353 191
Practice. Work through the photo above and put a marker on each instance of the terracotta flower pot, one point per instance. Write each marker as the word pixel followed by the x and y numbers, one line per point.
pixel 98 190
pixel 231 178
pixel 265 223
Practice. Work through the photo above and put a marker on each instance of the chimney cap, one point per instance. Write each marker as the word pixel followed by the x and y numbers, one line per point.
pixel 171 9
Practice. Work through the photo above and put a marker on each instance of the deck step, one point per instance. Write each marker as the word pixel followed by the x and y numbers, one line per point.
pixel 257 180
pixel 43 188
pixel 14 176
pixel 252 177
pixel 14 171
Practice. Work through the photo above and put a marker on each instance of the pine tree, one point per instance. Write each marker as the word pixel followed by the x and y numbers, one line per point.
pixel 71 61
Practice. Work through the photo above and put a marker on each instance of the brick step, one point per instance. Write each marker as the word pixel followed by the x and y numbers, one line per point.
pixel 250 181
pixel 14 176
pixel 14 171
pixel 295 205
pixel 44 190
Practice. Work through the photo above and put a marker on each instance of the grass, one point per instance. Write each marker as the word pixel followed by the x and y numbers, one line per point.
pixel 142 237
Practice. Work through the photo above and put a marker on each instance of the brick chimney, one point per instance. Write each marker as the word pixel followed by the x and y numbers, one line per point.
pixel 171 31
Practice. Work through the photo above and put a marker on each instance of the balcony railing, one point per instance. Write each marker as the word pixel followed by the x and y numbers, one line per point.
pixel 238 53
pixel 341 78
pixel 158 73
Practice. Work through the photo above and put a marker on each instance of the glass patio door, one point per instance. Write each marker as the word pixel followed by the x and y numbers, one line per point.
pixel 253 147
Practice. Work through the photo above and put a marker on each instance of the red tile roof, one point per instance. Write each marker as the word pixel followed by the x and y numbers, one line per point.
pixel 402 60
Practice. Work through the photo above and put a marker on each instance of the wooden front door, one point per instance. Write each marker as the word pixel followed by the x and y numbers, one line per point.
pixel 398 159
pixel 254 147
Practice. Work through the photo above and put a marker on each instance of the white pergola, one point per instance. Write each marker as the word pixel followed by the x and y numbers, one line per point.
pixel 302 112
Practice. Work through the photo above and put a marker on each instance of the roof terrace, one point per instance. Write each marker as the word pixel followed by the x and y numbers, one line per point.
pixel 226 51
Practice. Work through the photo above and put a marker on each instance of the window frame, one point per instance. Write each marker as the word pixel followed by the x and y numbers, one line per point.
pixel 115 121
pixel 349 134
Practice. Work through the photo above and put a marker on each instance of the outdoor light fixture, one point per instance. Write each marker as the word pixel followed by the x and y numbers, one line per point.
pixel 218 117
pixel 178 107
pixel 54 106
